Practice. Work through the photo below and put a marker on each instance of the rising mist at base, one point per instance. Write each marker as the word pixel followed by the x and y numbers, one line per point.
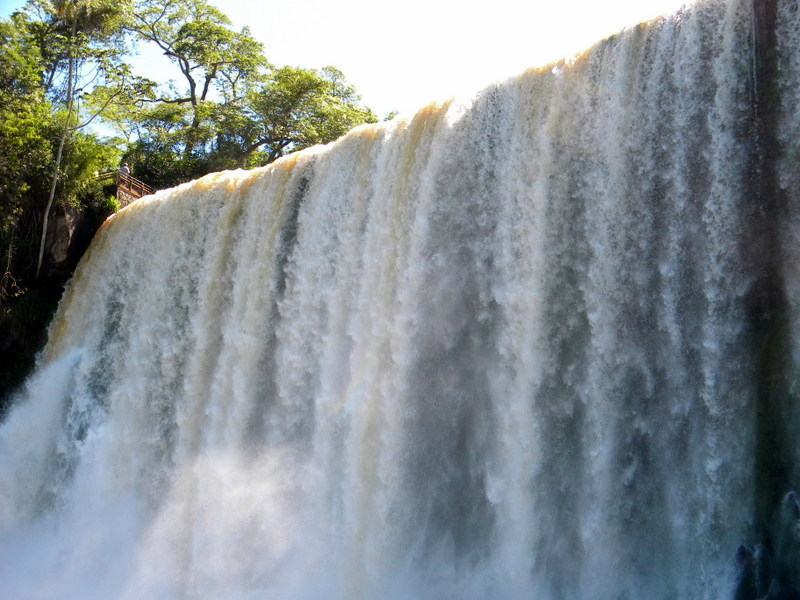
pixel 539 345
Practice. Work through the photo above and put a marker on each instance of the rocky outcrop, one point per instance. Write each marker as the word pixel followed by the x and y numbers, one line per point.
pixel 68 235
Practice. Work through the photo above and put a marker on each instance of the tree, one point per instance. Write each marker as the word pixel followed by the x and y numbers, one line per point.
pixel 293 109
pixel 214 61
pixel 24 144
pixel 71 35
pixel 232 109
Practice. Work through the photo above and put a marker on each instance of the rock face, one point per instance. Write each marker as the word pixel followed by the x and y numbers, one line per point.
pixel 125 197
pixel 24 318
pixel 69 231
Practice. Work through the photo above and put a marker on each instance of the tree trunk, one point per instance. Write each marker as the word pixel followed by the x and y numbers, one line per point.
pixel 61 144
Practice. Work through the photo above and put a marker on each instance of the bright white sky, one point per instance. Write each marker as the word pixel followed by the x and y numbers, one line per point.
pixel 402 55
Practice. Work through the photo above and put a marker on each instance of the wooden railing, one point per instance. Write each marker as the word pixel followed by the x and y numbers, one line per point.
pixel 132 188
pixel 128 188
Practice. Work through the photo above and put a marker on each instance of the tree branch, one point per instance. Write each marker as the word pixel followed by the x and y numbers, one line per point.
pixel 96 114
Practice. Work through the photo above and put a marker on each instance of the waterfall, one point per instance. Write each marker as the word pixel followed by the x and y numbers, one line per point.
pixel 538 344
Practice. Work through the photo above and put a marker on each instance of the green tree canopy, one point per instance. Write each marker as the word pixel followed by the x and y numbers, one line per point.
pixel 291 109
pixel 232 108
pixel 213 60
pixel 25 144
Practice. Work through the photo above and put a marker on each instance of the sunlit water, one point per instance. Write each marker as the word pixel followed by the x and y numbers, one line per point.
pixel 507 348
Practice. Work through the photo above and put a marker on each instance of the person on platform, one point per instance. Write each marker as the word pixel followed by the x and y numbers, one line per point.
pixel 125 169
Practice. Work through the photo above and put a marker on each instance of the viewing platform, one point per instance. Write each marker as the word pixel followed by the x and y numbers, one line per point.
pixel 128 187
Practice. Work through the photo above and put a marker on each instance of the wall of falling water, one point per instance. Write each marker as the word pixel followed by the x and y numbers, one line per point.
pixel 512 347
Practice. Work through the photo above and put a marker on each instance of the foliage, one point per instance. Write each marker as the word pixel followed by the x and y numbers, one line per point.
pixel 97 42
pixel 25 141
pixel 84 32
pixel 162 168
pixel 233 108
pixel 292 109
pixel 211 58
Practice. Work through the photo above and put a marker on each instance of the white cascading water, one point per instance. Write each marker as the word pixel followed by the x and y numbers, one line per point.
pixel 501 349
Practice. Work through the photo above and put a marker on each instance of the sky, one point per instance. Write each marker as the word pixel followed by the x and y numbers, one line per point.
pixel 401 56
